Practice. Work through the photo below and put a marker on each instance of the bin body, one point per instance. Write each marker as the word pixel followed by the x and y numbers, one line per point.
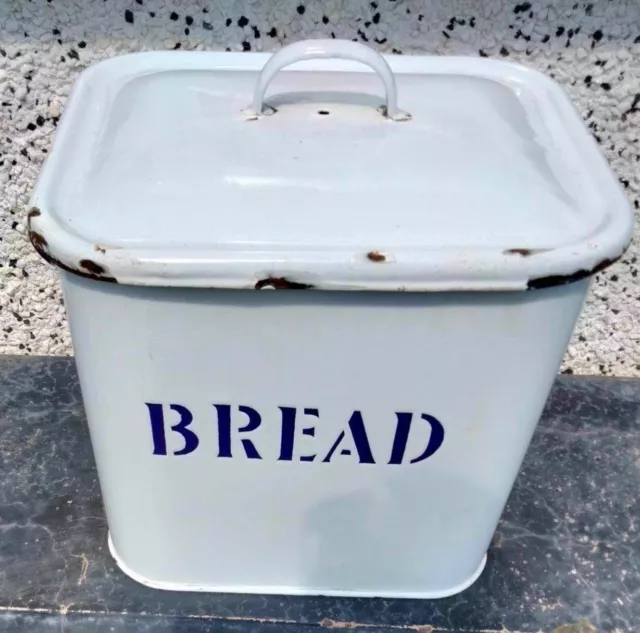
pixel 320 511
pixel 425 228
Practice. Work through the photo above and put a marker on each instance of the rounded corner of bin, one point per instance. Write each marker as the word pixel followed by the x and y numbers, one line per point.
pixel 78 263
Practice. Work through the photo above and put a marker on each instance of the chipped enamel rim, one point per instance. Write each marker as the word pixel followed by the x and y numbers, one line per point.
pixel 411 270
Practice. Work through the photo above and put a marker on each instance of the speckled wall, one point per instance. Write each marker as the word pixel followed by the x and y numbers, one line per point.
pixel 592 48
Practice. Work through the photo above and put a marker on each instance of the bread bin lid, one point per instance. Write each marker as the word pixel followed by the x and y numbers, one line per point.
pixel 325 166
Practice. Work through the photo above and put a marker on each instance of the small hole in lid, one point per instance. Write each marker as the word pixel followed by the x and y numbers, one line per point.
pixel 323 112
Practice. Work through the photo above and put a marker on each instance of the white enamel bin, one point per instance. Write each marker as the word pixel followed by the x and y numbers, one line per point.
pixel 429 226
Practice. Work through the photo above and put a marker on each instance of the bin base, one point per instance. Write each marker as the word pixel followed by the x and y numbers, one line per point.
pixel 293 591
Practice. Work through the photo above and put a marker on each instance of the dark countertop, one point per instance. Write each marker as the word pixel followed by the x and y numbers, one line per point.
pixel 566 557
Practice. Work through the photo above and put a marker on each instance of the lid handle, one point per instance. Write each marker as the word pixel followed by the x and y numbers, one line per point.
pixel 328 49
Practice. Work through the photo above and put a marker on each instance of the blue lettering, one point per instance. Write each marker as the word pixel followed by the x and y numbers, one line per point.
pixel 360 440
pixel 402 436
pixel 289 430
pixel 224 430
pixel 156 417
pixel 357 442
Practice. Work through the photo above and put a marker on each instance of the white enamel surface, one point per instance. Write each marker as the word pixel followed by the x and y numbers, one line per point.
pixel 159 164
pixel 295 590
pixel 481 363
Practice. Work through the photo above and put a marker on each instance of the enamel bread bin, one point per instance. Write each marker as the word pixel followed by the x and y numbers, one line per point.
pixel 427 227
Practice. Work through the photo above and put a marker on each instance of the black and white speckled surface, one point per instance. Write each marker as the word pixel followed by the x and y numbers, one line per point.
pixel 591 47
pixel 567 551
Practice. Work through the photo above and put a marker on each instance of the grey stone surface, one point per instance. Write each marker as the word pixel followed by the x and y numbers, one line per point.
pixel 591 47
pixel 567 551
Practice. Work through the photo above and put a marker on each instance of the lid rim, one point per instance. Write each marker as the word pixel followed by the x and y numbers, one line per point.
pixel 102 263
pixel 474 269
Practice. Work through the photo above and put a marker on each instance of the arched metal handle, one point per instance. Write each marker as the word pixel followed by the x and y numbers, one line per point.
pixel 329 49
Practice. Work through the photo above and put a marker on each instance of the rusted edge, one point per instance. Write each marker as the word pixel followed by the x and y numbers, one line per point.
pixel 37 240
pixel 281 283
pixel 41 249
pixel 560 280
pixel 89 269
pixel 376 256
pixel 92 267
pixel 525 252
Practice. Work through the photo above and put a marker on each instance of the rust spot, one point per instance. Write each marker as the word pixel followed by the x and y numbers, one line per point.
pixel 281 283
pixel 92 267
pixel 376 256
pixel 525 252
pixel 560 280
pixel 40 244
pixel 583 626
pixel 34 213
pixel 37 240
